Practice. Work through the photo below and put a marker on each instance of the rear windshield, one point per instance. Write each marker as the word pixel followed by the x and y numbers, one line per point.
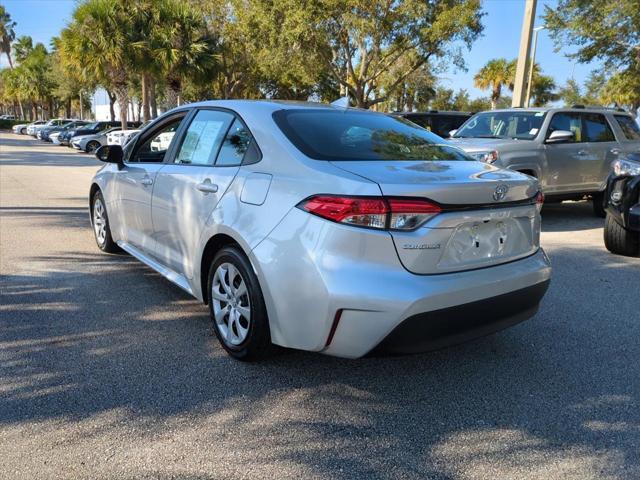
pixel 358 135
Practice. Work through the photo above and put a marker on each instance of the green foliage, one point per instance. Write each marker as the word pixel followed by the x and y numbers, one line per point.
pixel 7 33
pixel 608 31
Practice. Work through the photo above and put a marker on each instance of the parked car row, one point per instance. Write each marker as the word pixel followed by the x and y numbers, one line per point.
pixel 79 134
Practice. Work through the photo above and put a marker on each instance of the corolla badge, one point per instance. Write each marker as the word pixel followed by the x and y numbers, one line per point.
pixel 500 192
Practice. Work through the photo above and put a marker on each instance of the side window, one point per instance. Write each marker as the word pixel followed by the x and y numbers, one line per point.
pixel 570 122
pixel 237 144
pixel 153 147
pixel 597 128
pixel 628 126
pixel 204 137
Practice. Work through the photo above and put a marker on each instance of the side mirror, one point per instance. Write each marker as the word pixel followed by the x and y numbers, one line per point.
pixel 453 132
pixel 110 154
pixel 560 136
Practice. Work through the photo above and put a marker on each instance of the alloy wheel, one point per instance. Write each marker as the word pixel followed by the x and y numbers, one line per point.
pixel 99 221
pixel 231 305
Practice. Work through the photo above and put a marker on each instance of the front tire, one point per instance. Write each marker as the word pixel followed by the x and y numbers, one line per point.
pixel 101 227
pixel 619 240
pixel 23 131
pixel 237 308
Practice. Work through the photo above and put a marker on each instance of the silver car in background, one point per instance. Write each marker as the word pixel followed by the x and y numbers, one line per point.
pixel 569 150
pixel 322 228
pixel 90 143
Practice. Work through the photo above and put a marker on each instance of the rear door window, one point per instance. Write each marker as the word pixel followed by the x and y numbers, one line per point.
pixel 597 128
pixel 628 126
pixel 204 137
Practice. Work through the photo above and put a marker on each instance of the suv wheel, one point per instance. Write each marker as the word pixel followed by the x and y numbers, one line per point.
pixel 597 200
pixel 237 308
pixel 620 241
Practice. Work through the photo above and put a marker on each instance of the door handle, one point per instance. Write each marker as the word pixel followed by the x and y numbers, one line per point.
pixel 207 187
pixel 582 153
pixel 615 151
pixel 146 181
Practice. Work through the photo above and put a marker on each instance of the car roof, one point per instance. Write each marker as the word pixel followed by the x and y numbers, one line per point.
pixel 435 112
pixel 574 109
pixel 254 106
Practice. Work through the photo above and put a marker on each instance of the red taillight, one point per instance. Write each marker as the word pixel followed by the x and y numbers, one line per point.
pixel 539 200
pixel 372 212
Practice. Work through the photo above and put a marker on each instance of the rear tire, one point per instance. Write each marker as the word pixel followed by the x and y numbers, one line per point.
pixel 620 241
pixel 101 226
pixel 23 131
pixel 597 200
pixel 237 308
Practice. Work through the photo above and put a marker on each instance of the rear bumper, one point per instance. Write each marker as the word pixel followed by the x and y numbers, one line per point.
pixel 342 291
pixel 449 326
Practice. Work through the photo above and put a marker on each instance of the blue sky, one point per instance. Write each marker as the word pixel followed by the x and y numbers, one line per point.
pixel 43 19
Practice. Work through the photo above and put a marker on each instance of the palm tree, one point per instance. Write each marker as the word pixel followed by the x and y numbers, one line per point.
pixel 98 41
pixel 543 90
pixel 22 47
pixel 182 47
pixel 7 34
pixel 496 74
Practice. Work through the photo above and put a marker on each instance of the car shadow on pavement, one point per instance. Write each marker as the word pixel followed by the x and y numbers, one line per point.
pixel 103 339
pixel 569 217
pixel 56 217
pixel 38 158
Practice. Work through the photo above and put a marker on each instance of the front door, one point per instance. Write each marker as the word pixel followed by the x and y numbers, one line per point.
pixel 135 183
pixel 189 188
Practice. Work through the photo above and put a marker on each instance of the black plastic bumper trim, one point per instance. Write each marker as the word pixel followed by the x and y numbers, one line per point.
pixel 449 326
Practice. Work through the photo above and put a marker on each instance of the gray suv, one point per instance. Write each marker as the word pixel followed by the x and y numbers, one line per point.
pixel 569 150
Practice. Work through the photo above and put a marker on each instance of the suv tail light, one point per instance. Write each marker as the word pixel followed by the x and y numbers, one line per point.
pixel 372 212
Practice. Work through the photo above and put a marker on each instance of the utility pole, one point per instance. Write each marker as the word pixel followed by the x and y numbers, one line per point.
pixel 519 87
pixel 532 63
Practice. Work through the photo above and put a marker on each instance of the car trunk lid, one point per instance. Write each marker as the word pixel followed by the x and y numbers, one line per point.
pixel 489 214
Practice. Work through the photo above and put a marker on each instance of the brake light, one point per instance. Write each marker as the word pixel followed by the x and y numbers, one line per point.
pixel 539 201
pixel 372 212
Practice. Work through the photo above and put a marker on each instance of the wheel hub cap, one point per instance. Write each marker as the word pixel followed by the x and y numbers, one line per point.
pixel 99 222
pixel 231 306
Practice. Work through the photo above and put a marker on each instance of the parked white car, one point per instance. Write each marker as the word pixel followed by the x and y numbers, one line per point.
pixel 23 128
pixel 120 137
pixel 90 143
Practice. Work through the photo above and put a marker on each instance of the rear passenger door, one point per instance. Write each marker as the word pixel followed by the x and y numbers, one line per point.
pixel 603 149
pixel 189 187
pixel 565 161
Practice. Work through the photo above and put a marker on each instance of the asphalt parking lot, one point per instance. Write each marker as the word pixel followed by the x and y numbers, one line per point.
pixel 109 371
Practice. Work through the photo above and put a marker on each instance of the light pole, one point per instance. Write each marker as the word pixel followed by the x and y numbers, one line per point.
pixel 533 62
pixel 519 85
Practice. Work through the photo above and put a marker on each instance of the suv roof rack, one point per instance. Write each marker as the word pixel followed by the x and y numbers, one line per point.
pixel 599 107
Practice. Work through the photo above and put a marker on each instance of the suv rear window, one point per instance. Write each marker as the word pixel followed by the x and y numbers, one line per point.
pixel 597 128
pixel 324 134
pixel 628 126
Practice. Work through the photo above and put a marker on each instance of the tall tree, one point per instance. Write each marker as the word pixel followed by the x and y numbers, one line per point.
pixel 609 31
pixel 182 47
pixel 360 40
pixel 7 33
pixel 494 76
pixel 99 40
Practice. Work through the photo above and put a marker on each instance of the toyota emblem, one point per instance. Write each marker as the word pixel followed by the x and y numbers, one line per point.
pixel 500 192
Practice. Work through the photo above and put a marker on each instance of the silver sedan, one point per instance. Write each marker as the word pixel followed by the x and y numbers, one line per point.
pixel 322 228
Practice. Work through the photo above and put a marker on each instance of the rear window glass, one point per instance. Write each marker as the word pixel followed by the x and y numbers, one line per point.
pixel 629 127
pixel 356 135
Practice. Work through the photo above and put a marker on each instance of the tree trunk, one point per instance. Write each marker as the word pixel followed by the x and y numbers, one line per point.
pixel 67 108
pixel 112 101
pixel 21 109
pixel 146 110
pixel 152 98
pixel 171 99
pixel 122 95
pixel 10 61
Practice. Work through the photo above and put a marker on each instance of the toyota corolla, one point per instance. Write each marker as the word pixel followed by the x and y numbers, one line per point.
pixel 321 228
